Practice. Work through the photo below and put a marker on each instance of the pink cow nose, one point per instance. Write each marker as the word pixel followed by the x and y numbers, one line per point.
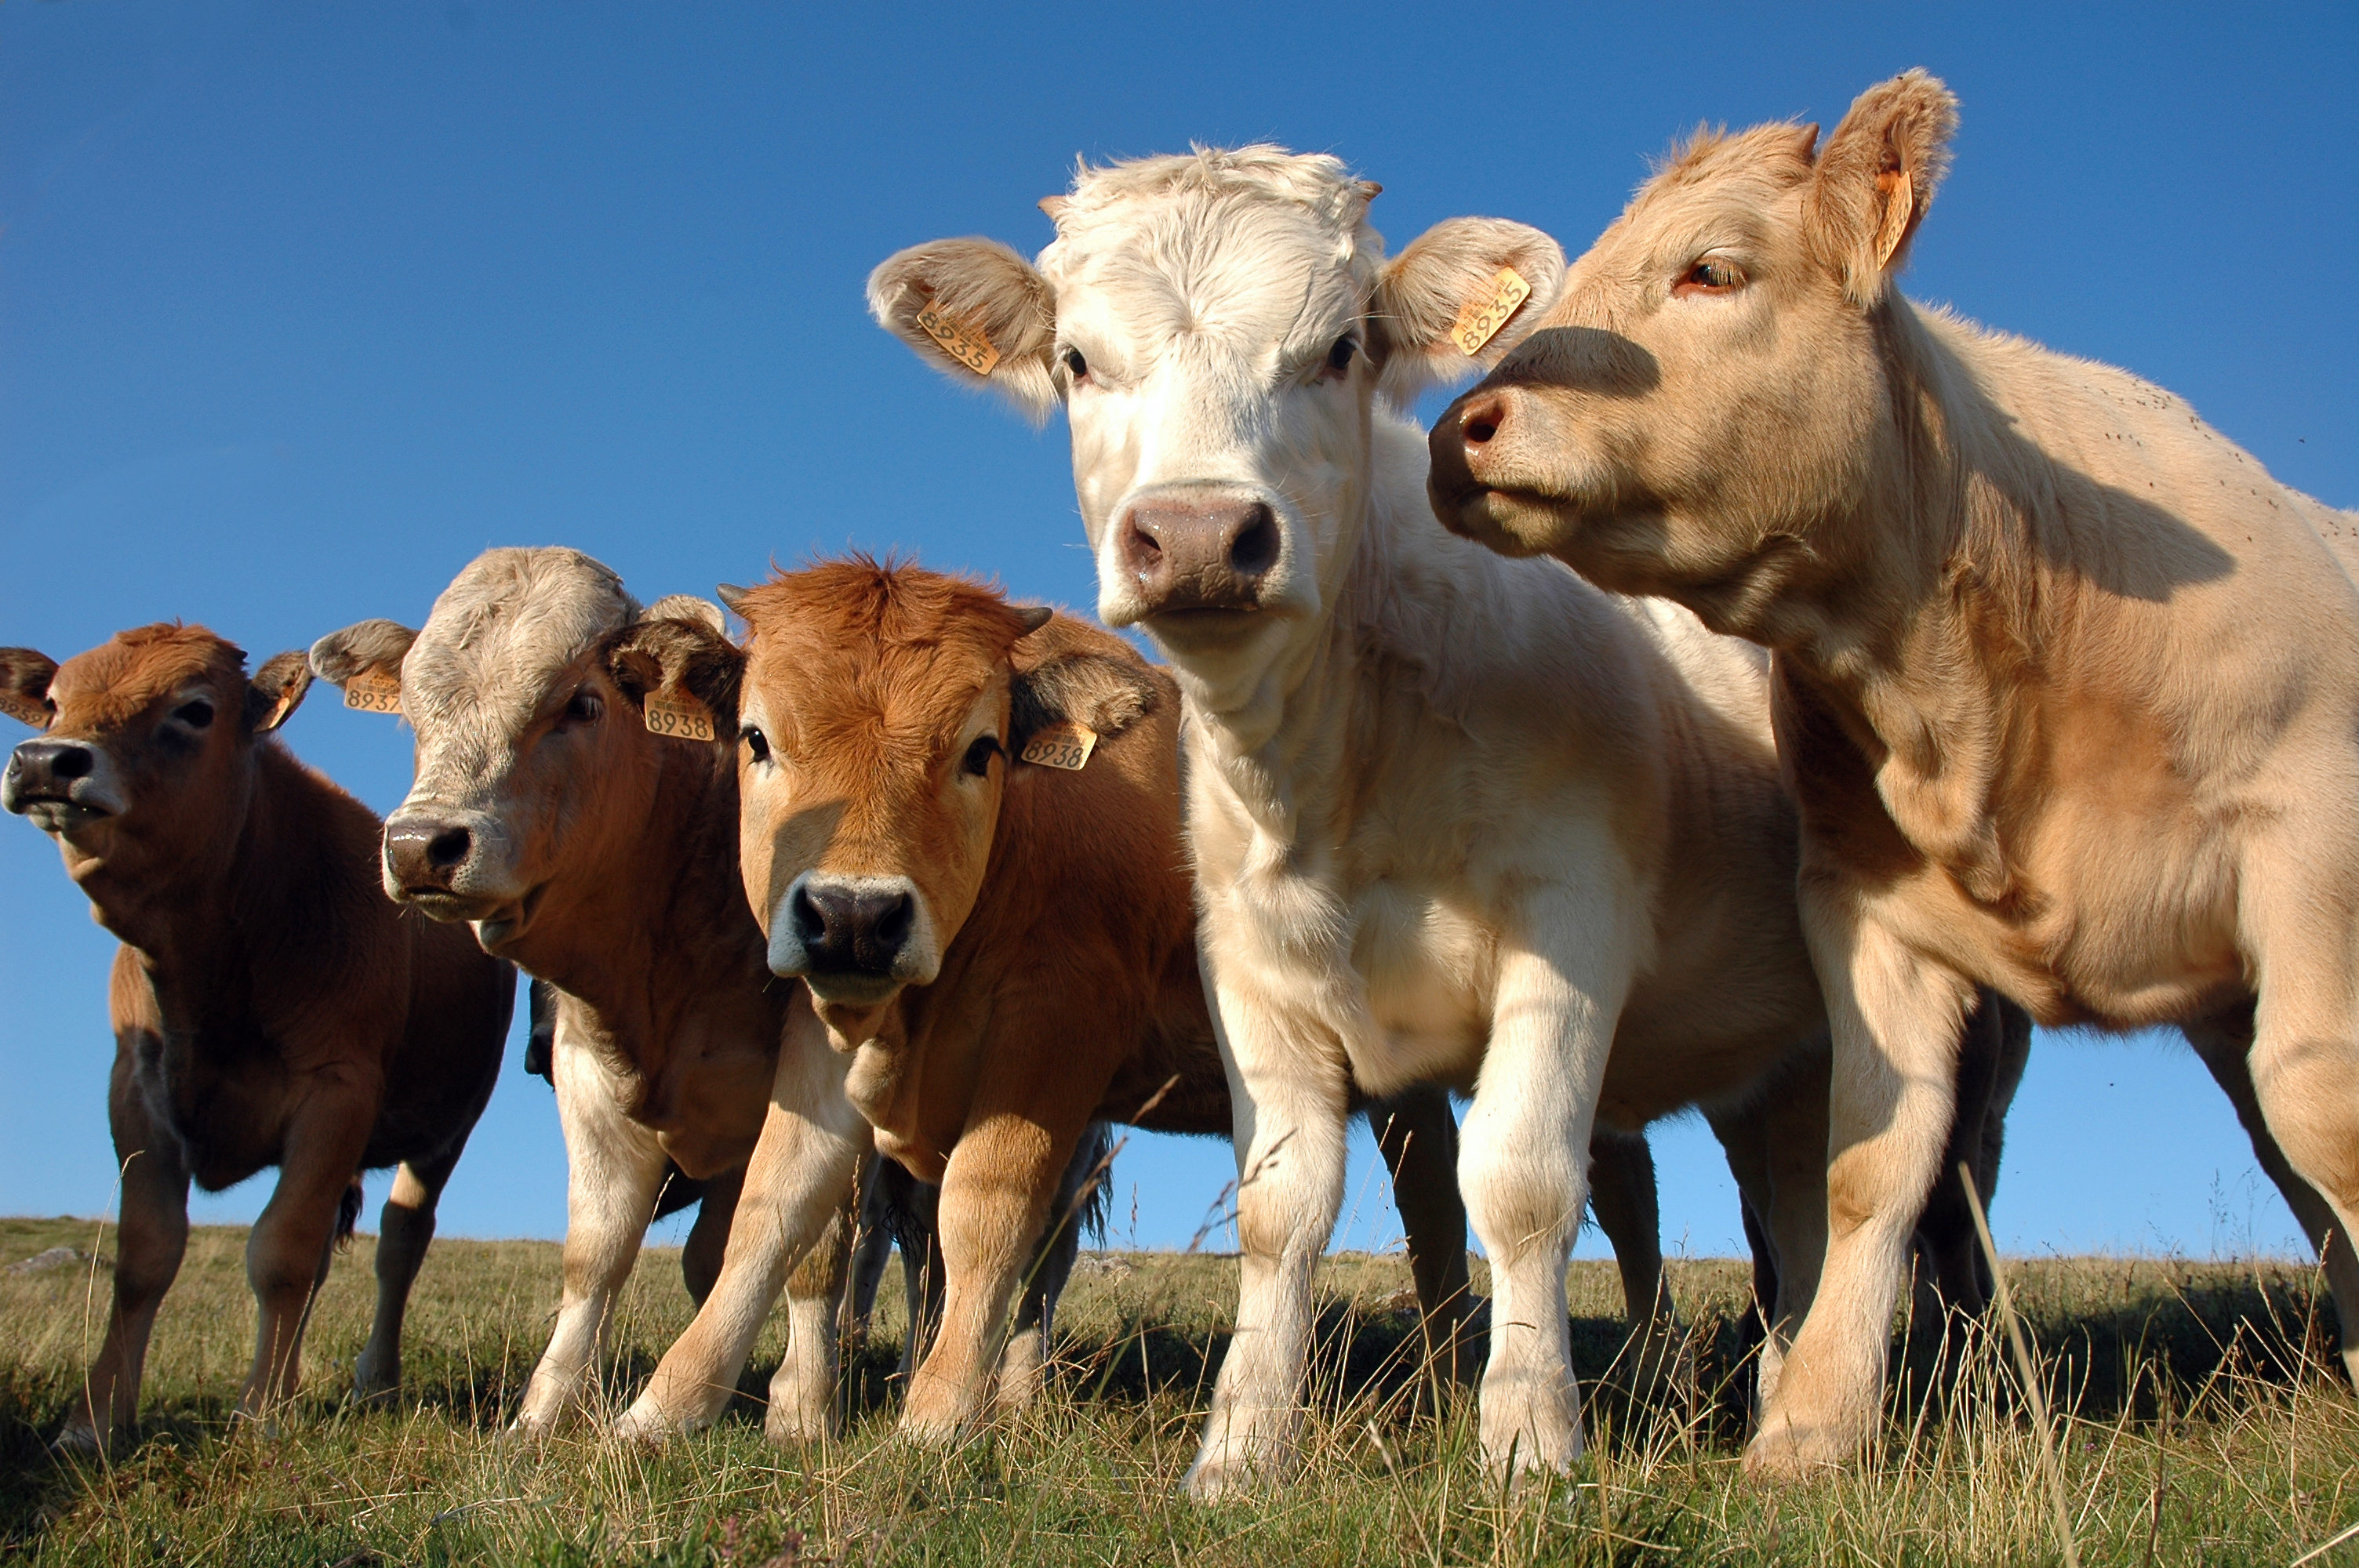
pixel 1187 554
pixel 1481 420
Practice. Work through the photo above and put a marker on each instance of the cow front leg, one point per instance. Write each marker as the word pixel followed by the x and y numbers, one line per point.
pixel 150 1238
pixel 1894 1019
pixel 708 1239
pixel 996 1193
pixel 405 1228
pixel 1024 1365
pixel 1291 1099
pixel 800 1176
pixel 1523 1154
pixel 803 1390
pixel 1622 1196
pixel 613 1170
pixel 1418 1136
pixel 288 1252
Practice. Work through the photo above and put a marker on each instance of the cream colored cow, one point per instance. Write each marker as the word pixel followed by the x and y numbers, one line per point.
pixel 1456 818
pixel 2068 685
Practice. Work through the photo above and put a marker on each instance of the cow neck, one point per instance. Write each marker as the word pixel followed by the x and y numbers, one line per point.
pixel 1291 753
pixel 659 927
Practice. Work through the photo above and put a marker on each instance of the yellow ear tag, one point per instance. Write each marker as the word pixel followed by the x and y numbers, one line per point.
pixel 1067 745
pixel 373 691
pixel 1899 206
pixel 680 716
pixel 964 342
pixel 1480 321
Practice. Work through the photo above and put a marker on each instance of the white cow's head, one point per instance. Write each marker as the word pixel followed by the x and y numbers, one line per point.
pixel 1218 327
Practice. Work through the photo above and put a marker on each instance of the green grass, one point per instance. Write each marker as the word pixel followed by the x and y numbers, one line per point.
pixel 2197 1422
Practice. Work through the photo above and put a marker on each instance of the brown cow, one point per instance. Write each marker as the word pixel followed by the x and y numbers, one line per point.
pixel 601 857
pixel 2066 684
pixel 269 1007
pixel 1005 947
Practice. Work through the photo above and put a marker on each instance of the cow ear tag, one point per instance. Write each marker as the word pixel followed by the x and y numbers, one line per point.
pixel 1065 745
pixel 373 691
pixel 677 715
pixel 1899 205
pixel 963 341
pixel 1483 315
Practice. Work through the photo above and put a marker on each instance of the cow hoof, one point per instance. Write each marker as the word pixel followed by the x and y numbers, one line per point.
pixel 784 1427
pixel 1789 1454
pixel 77 1442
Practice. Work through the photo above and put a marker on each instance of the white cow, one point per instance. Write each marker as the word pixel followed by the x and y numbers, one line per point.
pixel 1457 818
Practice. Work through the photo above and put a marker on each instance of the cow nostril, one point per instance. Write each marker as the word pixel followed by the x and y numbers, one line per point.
pixel 893 923
pixel 1479 423
pixel 1142 552
pixel 71 763
pixel 447 848
pixel 1255 549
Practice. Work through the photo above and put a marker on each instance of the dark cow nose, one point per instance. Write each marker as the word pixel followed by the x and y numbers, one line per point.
pixel 1195 556
pixel 425 855
pixel 41 769
pixel 844 931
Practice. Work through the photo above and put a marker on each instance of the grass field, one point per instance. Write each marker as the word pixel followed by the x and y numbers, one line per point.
pixel 2196 1422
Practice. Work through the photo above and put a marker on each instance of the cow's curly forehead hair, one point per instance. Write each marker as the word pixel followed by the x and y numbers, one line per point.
pixel 117 679
pixel 860 600
pixel 1195 184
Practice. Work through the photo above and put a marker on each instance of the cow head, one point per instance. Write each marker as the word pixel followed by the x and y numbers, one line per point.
pixel 527 687
pixel 146 742
pixel 881 710
pixel 1709 383
pixel 1218 328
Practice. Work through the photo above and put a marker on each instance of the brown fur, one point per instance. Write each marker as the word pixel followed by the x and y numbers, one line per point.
pixel 1067 986
pixel 269 1007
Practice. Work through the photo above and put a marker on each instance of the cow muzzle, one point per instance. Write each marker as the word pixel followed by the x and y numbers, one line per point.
pixel 1188 556
pixel 452 864
pixel 59 786
pixel 855 940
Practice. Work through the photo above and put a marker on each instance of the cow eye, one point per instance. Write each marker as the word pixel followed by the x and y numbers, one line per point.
pixel 195 715
pixel 1710 277
pixel 976 763
pixel 1339 358
pixel 757 745
pixel 584 709
pixel 1075 366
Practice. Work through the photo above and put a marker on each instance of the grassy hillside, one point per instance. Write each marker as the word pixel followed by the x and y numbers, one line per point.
pixel 2202 1423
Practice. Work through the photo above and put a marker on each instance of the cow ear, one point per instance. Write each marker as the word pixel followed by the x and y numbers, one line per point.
pixel 1465 292
pixel 25 677
pixel 976 311
pixel 1876 177
pixel 370 649
pixel 1103 693
pixel 680 655
pixel 277 690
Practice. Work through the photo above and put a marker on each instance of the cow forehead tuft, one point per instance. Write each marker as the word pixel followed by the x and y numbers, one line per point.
pixel 120 677
pixel 522 607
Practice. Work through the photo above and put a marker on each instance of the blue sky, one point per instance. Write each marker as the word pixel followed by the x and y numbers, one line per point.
pixel 302 306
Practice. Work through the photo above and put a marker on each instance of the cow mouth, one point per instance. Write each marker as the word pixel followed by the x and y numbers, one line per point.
pixel 506 922
pixel 1505 520
pixel 1202 626
pixel 56 813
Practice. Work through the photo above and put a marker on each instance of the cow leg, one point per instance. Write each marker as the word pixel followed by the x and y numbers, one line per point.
pixel 1001 1178
pixel 708 1239
pixel 1957 1281
pixel 1743 1142
pixel 1523 1154
pixel 924 1275
pixel 404 1226
pixel 803 1390
pixel 151 1237
pixel 799 1177
pixel 2225 1045
pixel 1291 1099
pixel 872 1246
pixel 1419 1138
pixel 614 1171
pixel 1622 1196
pixel 1024 1365
pixel 288 1251
pixel 1895 1020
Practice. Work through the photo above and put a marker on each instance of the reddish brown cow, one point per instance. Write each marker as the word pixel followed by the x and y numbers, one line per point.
pixel 1006 946
pixel 270 1008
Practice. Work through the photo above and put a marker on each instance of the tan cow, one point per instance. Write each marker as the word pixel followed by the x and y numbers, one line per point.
pixel 269 1007
pixel 1003 947
pixel 602 857
pixel 2068 685
pixel 1456 820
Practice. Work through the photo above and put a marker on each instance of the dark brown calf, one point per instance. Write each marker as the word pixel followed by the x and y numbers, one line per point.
pixel 270 1008
pixel 1005 946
